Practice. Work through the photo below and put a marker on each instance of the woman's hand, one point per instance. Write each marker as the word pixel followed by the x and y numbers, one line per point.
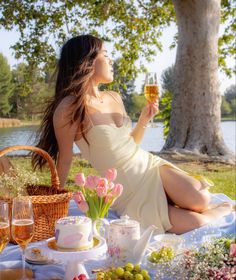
pixel 148 112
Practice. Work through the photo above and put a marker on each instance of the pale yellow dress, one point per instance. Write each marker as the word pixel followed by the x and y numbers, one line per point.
pixel 143 197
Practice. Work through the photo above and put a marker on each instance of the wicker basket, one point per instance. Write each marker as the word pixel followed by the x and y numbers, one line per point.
pixel 49 203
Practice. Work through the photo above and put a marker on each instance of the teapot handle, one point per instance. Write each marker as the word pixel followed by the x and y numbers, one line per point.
pixel 100 227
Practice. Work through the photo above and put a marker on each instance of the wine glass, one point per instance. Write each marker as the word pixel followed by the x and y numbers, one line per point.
pixel 22 225
pixel 4 225
pixel 151 89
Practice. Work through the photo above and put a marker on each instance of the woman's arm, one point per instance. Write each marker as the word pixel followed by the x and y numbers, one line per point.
pixel 65 135
pixel 149 111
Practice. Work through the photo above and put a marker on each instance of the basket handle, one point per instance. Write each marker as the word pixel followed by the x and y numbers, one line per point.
pixel 54 176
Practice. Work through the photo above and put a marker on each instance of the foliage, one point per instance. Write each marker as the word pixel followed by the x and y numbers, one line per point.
pixel 225 107
pixel 165 105
pixel 167 79
pixel 226 42
pixel 31 92
pixel 228 105
pixel 5 86
pixel 167 84
pixel 134 27
pixel 230 93
pixel 137 102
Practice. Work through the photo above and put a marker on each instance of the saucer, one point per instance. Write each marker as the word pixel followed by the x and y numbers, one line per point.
pixel 35 255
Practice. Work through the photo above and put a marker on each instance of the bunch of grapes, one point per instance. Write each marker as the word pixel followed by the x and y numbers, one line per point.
pixel 128 272
pixel 165 254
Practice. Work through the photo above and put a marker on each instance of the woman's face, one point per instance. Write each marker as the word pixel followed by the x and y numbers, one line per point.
pixel 103 71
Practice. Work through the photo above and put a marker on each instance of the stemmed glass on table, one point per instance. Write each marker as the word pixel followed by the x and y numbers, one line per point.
pixel 151 89
pixel 22 225
pixel 4 225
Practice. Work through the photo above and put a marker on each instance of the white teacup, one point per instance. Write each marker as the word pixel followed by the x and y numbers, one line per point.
pixel 74 232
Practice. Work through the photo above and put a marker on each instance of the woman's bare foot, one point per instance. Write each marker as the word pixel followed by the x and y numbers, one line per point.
pixel 219 210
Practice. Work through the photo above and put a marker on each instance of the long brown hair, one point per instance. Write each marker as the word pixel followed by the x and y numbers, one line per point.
pixel 75 68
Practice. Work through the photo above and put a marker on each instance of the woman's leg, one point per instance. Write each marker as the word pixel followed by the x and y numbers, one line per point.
pixel 184 190
pixel 185 220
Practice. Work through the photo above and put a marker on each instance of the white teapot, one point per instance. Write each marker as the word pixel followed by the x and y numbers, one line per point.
pixel 123 239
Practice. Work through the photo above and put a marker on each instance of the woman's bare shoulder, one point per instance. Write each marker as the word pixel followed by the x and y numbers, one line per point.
pixel 64 108
pixel 65 104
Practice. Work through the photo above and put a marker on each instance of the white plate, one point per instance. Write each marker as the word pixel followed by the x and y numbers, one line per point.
pixel 94 253
pixel 169 240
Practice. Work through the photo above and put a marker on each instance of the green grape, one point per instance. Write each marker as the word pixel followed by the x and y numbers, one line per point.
pixel 144 273
pixel 129 267
pixel 165 254
pixel 100 276
pixel 128 275
pixel 227 243
pixel 119 271
pixel 137 268
pixel 138 276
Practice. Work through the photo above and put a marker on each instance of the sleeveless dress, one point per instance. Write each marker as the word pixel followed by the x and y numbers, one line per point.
pixel 143 198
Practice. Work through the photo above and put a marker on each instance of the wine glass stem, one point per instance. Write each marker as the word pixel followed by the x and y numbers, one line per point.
pixel 23 264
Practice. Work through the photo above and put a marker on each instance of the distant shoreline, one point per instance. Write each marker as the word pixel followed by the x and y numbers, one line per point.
pixel 11 122
pixel 7 122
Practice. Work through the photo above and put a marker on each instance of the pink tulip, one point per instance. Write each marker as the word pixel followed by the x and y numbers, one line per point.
pixel 83 206
pixel 117 190
pixel 81 202
pixel 91 182
pixel 108 198
pixel 101 191
pixel 80 179
pixel 102 182
pixel 78 197
pixel 232 251
pixel 111 174
pixel 102 187
pixel 111 185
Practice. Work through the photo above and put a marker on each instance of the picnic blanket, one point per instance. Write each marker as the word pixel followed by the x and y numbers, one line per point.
pixel 11 256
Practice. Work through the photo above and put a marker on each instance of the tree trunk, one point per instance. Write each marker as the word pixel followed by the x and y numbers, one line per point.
pixel 195 117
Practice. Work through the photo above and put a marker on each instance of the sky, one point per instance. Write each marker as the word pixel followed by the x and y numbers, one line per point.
pixel 161 61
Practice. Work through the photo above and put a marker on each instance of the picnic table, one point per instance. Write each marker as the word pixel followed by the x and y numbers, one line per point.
pixel 11 255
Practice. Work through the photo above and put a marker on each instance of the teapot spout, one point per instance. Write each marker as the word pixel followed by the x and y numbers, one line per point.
pixel 141 245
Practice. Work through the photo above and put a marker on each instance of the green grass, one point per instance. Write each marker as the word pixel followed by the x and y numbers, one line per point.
pixel 223 175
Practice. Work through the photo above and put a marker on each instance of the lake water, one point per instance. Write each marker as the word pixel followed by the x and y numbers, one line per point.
pixel 153 139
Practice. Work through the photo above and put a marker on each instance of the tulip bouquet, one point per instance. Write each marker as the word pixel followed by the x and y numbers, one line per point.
pixel 96 194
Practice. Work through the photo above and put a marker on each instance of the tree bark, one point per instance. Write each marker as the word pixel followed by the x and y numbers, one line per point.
pixel 195 117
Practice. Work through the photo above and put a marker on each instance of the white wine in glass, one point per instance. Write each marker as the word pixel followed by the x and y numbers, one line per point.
pixel 22 225
pixel 151 89
pixel 4 225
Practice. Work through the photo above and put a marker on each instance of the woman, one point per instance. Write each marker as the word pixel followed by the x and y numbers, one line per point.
pixel 155 191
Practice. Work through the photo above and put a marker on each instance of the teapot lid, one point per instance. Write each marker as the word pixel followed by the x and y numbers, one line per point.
pixel 125 221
